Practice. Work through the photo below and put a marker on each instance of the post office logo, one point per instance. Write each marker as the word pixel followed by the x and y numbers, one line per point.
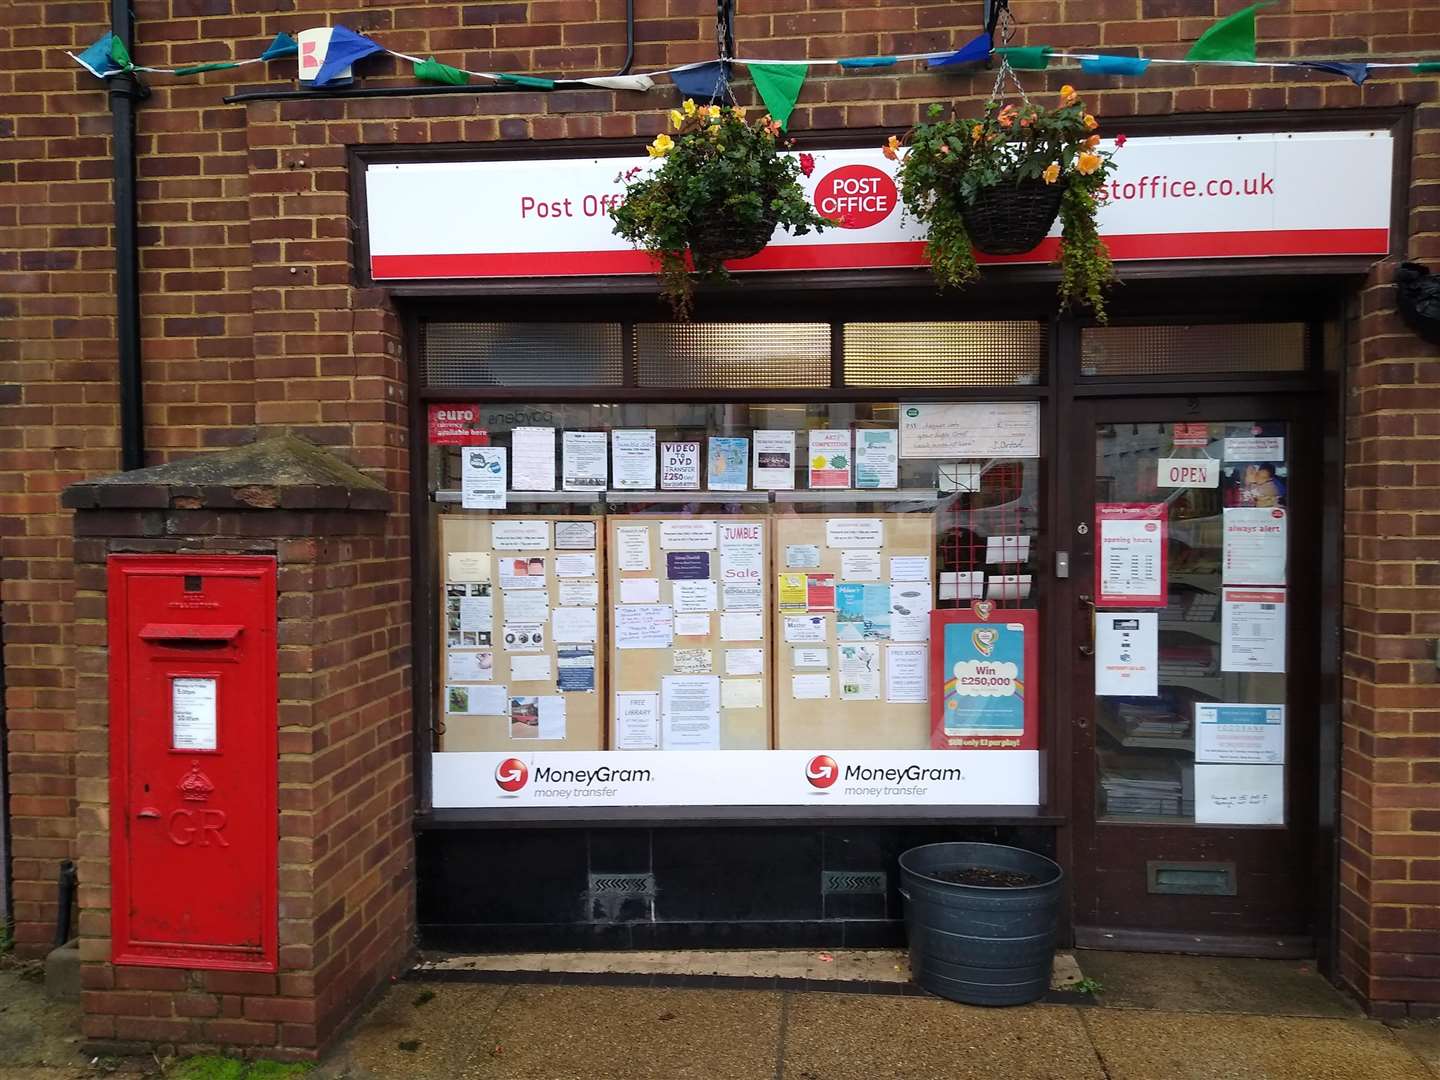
pixel 511 774
pixel 822 771
pixel 856 196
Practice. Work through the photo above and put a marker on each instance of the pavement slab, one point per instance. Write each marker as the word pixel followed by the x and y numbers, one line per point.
pixel 1213 984
pixel 1139 1045
pixel 858 1037
pixel 424 1033
pixel 1422 1040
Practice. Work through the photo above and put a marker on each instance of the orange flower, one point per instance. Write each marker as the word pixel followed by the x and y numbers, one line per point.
pixel 1052 172
pixel 976 132
pixel 892 148
pixel 1068 96
pixel 1007 116
pixel 1087 163
pixel 944 149
pixel 1093 141
pixel 1091 123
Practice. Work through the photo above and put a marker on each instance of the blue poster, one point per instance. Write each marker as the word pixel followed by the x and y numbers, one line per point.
pixel 729 464
pixel 984 680
pixel 862 612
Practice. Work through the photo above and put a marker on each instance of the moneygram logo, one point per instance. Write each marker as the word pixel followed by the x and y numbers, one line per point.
pixel 511 774
pixel 822 771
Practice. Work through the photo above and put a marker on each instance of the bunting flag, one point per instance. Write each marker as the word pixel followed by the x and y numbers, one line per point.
pixel 868 61
pixel 1232 38
pixel 96 59
pixel 1026 57
pixel 702 82
pixel 1114 65
pixel 346 47
pixel 282 45
pixel 1357 73
pixel 976 50
pixel 620 82
pixel 1427 67
pixel 108 55
pixel 778 86
pixel 433 71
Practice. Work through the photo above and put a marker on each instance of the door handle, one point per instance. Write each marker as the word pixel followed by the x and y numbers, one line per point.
pixel 148 812
pixel 1087 646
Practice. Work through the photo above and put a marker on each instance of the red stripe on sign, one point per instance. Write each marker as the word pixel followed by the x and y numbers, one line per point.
pixel 1216 245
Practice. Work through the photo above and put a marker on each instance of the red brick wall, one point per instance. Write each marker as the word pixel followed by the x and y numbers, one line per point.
pixel 250 316
pixel 346 845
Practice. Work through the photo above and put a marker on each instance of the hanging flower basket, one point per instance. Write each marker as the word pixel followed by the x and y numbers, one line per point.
pixel 1011 219
pixel 721 190
pixel 997 184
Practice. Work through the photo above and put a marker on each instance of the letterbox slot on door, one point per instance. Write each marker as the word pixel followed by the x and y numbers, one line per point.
pixel 193 758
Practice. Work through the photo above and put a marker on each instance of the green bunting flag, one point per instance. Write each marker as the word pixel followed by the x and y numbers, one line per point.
pixel 120 54
pixel 1026 57
pixel 530 82
pixel 1427 67
pixel 1232 38
pixel 432 70
pixel 196 69
pixel 779 87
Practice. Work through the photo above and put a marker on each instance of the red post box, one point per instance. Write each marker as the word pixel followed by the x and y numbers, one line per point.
pixel 193 705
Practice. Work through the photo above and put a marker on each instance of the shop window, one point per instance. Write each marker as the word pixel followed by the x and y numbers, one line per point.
pixel 943 353
pixel 1194 350
pixel 472 354
pixel 733 355
pixel 682 576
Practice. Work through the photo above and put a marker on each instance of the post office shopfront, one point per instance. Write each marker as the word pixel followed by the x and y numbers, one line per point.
pixel 714 619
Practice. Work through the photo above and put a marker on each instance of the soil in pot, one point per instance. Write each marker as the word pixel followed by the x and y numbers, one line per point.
pixel 985 876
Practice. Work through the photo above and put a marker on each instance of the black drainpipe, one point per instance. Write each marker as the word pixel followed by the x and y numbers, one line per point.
pixel 125 90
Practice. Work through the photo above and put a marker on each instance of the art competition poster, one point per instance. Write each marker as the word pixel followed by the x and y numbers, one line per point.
pixel 984 678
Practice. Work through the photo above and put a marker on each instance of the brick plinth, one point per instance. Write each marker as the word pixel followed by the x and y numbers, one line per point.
pixel 345 786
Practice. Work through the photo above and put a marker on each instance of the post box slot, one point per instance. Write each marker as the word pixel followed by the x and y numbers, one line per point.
pixel 183 634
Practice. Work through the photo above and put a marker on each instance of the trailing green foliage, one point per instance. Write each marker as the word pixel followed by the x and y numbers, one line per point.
pixel 217 1067
pixel 947 161
pixel 718 169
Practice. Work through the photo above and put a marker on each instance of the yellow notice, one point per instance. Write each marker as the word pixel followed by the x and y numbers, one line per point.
pixel 793 592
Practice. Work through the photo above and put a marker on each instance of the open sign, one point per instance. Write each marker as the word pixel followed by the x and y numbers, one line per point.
pixel 1187 473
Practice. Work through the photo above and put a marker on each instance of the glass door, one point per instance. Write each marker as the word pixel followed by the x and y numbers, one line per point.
pixel 1193 589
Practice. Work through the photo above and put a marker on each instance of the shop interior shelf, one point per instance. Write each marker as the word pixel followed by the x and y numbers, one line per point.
pixel 529 497
pixel 687 496
pixel 1138 742
pixel 1210 631
pixel 908 496
pixel 852 495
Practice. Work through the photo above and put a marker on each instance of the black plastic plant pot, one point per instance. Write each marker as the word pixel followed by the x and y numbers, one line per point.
pixel 981 944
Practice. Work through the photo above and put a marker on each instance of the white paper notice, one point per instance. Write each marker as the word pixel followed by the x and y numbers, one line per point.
pixel 740 565
pixel 810 687
pixel 632 547
pixel 802 557
pixel 586 460
pixel 810 658
pixel 859 672
pixel 829 459
pixel 466 665
pixel 649 626
pixel 579 593
pixel 1252 630
pixel 489 700
pixel 523 637
pixel 804 628
pixel 744 661
pixel 467 566
pixel 637 721
pixel 552 717
pixel 1007 549
pixel 531 668
pixel 690 624
pixel 532 463
pixel 907 674
pixel 1132 558
pixel 854 532
pixel 633 459
pixel 958 476
pixel 857 565
pixel 877 462
pixel 774 459
pixel 192 714
pixel 688 534
pixel 581 564
pixel 1127 660
pixel 690 712
pixel 1263 448
pixel 692 661
pixel 575 535
pixel 477 612
pixel 1255 539
pixel 521 572
pixel 741 626
pixel 1007 587
pixel 573 625
pixel 1239 734
pixel 909 567
pixel 694 595
pixel 521 605
pixel 516 535
pixel 979 429
pixel 1240 794
pixel 680 466
pixel 910 604
pixel 962 584
pixel 741 693
pixel 482 477
pixel 639 590
pixel 741 597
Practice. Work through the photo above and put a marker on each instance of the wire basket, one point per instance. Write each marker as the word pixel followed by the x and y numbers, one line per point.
pixel 1012 218
pixel 722 238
